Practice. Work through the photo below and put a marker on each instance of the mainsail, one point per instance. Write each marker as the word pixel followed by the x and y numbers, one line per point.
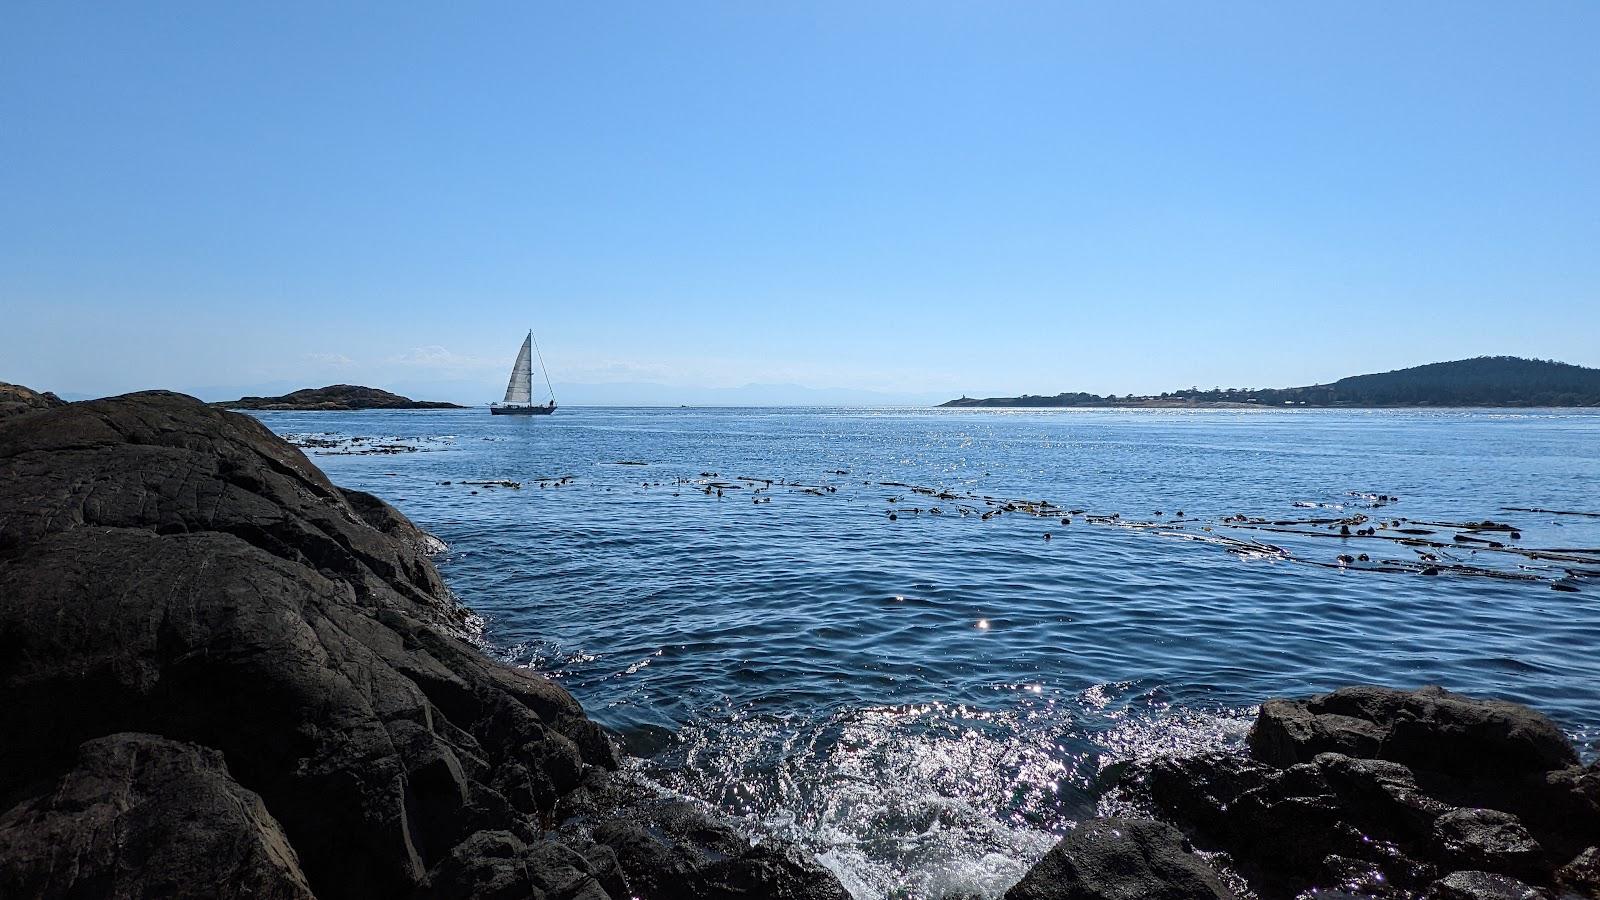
pixel 520 388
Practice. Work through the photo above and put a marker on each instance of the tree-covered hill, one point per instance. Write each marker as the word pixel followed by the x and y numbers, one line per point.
pixel 1482 381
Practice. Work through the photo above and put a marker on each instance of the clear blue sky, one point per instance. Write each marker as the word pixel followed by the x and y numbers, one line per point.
pixel 987 198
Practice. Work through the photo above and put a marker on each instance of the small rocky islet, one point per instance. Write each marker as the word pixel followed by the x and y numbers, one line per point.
pixel 228 677
pixel 335 398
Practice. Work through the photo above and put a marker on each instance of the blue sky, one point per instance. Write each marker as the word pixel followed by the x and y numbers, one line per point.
pixel 916 200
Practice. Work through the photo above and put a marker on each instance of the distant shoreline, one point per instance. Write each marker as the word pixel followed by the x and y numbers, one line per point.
pixel 1485 382
pixel 998 403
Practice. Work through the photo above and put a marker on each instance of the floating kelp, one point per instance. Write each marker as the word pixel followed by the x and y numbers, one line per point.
pixel 1469 547
pixel 328 443
pixel 1553 512
pixel 1432 541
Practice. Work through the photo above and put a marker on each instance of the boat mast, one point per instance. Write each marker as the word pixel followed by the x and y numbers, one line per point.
pixel 546 372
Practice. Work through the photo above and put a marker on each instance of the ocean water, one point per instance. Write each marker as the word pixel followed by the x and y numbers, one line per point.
pixel 925 698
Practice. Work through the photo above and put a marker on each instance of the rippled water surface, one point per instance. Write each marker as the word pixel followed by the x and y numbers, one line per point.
pixel 925 699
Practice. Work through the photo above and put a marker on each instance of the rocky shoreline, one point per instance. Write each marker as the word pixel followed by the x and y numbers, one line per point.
pixel 1362 792
pixel 227 677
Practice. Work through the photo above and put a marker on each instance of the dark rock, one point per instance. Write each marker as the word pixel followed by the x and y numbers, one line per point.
pixel 767 871
pixel 1356 877
pixel 1490 840
pixel 1427 782
pixel 16 399
pixel 1429 728
pixel 1286 732
pixel 1380 797
pixel 1121 859
pixel 175 569
pixel 336 397
pixel 1581 876
pixel 142 816
pixel 497 865
pixel 1483 886
pixel 1334 820
pixel 1564 806
pixel 672 850
pixel 1293 820
pixel 1198 791
pixel 1463 752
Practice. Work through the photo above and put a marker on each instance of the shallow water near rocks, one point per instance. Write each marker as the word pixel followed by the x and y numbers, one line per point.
pixel 925 700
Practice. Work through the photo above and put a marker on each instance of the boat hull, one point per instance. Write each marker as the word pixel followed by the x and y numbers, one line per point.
pixel 521 410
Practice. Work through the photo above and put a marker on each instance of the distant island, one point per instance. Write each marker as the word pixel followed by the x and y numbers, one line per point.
pixel 335 397
pixel 1483 381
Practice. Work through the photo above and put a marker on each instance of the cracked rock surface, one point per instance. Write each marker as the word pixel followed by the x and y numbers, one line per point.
pixel 226 676
pixel 1384 793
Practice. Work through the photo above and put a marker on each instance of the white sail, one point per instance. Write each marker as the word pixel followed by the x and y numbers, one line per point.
pixel 520 388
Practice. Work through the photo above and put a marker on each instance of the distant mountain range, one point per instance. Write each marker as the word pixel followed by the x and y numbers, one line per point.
pixel 1483 381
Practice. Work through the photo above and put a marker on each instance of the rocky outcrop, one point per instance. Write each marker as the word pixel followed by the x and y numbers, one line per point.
pixel 336 397
pixel 1121 859
pixel 225 676
pixel 173 807
pixel 14 399
pixel 1429 728
pixel 1386 793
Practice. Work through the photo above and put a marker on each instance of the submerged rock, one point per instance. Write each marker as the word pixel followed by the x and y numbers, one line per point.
pixel 178 571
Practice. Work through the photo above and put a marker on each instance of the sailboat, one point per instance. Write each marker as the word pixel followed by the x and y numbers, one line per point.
pixel 519 390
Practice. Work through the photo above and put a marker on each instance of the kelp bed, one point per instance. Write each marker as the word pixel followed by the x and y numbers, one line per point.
pixel 1363 537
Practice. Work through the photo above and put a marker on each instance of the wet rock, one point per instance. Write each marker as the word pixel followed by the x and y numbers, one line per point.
pixel 1296 828
pixel 1581 876
pixel 1566 800
pixel 1381 797
pixel 141 816
pixel 767 870
pixel 1483 886
pixel 1377 826
pixel 1429 728
pixel 1490 840
pixel 497 865
pixel 1121 859
pixel 1287 732
pixel 672 850
pixel 1198 791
